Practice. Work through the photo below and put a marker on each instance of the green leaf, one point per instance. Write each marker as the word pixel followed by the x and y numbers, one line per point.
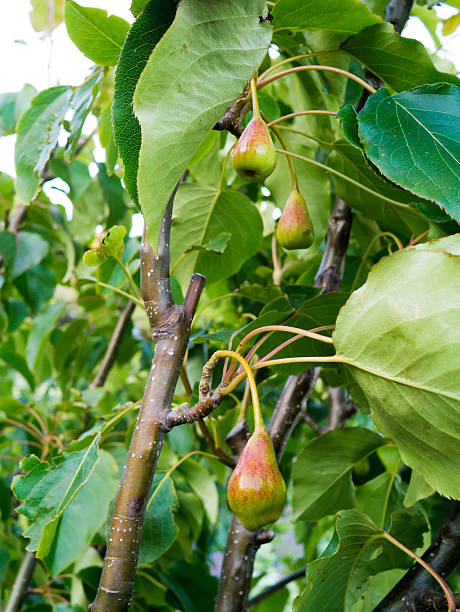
pixel 73 535
pixel 159 530
pixel 144 34
pixel 199 68
pixel 47 489
pixel 18 363
pixel 379 497
pixel 202 483
pixel 344 16
pixel 37 135
pixel 414 139
pixel 399 338
pixel 349 118
pixel 42 327
pixel 81 102
pixel 12 105
pixel 201 215
pixel 398 217
pixel 418 489
pixel 401 62
pixel 98 36
pixel 337 581
pixel 322 472
pixel 30 250
pixel 8 248
pixel 137 6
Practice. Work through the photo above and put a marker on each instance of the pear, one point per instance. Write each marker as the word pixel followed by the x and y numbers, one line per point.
pixel 254 156
pixel 295 229
pixel 256 491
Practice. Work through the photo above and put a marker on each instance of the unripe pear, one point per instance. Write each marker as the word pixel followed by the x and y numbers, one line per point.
pixel 295 229
pixel 256 491
pixel 254 156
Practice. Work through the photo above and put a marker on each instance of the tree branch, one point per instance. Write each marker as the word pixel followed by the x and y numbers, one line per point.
pixel 231 121
pixel 300 573
pixel 397 13
pixel 428 601
pixel 21 583
pixel 443 556
pixel 170 326
pixel 332 265
pixel 112 348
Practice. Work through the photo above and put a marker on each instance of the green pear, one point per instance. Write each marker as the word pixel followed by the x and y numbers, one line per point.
pixel 295 229
pixel 256 491
pixel 254 156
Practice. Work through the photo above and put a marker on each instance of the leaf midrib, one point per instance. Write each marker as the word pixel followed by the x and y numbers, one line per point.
pixel 395 379
pixel 95 27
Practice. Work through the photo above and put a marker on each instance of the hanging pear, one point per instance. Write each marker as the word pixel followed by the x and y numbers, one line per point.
pixel 254 156
pixel 256 490
pixel 295 229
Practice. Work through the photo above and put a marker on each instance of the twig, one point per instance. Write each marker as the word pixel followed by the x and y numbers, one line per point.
pixel 21 583
pixel 112 348
pixel 397 13
pixel 231 121
pixel 300 573
pixel 428 601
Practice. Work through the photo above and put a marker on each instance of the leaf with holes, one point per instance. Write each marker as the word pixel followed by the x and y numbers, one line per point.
pixel 399 340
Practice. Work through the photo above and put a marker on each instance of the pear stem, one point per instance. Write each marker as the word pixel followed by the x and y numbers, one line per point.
pixel 283 73
pixel 295 58
pixel 300 114
pixel 255 101
pixel 288 159
pixel 258 421
pixel 345 178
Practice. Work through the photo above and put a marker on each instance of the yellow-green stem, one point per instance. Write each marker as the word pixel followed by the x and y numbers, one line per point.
pixel 349 75
pixel 255 101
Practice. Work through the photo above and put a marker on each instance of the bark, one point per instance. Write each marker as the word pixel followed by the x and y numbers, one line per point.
pixel 21 582
pixel 170 326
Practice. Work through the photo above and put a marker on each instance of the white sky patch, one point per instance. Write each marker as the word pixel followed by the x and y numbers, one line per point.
pixel 137 226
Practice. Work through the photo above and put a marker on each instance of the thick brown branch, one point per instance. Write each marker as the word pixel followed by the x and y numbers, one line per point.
pixel 338 232
pixel 428 601
pixel 170 325
pixel 397 13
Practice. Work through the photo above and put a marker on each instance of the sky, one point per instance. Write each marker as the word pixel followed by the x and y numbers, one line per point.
pixel 43 62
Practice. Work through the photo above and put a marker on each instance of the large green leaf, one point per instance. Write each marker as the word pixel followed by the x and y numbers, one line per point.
pixel 92 501
pixel 98 36
pixel 399 338
pixel 401 62
pixel 200 66
pixel 144 34
pixel 47 489
pixel 395 217
pixel 322 472
pixel 159 530
pixel 200 215
pixel 345 16
pixel 336 582
pixel 12 105
pixel 37 135
pixel 414 139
